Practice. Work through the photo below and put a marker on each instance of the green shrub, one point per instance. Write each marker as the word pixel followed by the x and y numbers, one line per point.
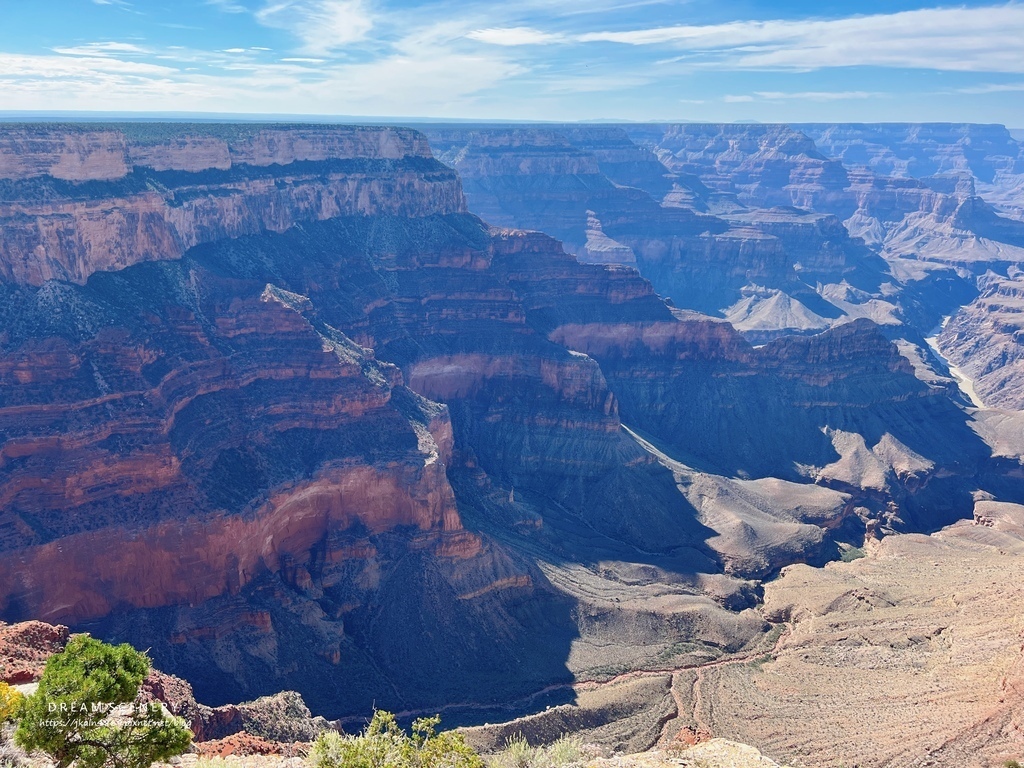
pixel 853 553
pixel 568 750
pixel 384 745
pixel 85 711
pixel 517 754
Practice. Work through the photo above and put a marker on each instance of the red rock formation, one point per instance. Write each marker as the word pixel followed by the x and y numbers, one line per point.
pixel 239 745
pixel 25 647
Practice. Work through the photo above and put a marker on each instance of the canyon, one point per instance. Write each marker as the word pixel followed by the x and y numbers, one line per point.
pixel 482 419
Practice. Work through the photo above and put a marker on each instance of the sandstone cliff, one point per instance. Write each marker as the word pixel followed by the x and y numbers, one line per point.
pixel 79 200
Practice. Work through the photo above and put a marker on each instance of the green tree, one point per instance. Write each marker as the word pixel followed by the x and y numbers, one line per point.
pixel 85 710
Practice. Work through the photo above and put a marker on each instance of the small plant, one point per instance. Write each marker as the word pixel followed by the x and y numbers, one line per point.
pixel 10 702
pixel 384 745
pixel 517 754
pixel 566 751
pixel 1012 764
pixel 851 554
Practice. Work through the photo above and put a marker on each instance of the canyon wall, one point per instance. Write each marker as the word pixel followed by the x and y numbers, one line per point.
pixel 356 442
pixel 81 200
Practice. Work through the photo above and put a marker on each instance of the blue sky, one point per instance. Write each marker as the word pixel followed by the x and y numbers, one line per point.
pixel 526 60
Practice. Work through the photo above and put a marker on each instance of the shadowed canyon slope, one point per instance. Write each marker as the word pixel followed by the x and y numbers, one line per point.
pixel 277 405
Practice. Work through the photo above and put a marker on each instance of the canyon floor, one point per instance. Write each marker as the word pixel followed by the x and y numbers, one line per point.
pixel 908 656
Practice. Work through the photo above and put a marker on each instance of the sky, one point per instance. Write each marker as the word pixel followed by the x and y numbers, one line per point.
pixel 561 60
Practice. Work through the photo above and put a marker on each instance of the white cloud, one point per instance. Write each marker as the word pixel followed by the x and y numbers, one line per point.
pixel 513 36
pixel 986 39
pixel 591 83
pixel 419 80
pixel 103 49
pixel 228 6
pixel 992 88
pixel 322 26
pixel 14 65
pixel 801 96
pixel 820 95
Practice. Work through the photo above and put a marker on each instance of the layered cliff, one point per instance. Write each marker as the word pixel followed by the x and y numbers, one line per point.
pixel 389 455
pixel 189 443
pixel 80 200
pixel 768 165
pixel 985 339
pixel 988 153
pixel 612 201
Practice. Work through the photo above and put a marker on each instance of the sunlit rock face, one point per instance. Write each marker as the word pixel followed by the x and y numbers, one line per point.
pixel 77 201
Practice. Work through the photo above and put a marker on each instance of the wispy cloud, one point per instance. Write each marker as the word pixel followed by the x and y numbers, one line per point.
pixel 985 39
pixel 322 26
pixel 103 49
pixel 801 96
pixel 228 6
pixel 513 36
pixel 534 59
pixel 413 79
pixel 15 66
pixel 820 95
pixel 992 88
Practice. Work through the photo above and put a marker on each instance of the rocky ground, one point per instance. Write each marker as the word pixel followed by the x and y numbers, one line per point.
pixel 910 654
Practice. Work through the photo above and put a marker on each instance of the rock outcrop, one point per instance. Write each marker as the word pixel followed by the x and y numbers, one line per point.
pixel 908 656
pixel 988 153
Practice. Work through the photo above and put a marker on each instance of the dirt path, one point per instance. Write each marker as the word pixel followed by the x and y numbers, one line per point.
pixel 703 729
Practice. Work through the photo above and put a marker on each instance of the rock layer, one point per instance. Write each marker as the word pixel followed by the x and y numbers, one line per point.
pixel 387 454
pixel 77 201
